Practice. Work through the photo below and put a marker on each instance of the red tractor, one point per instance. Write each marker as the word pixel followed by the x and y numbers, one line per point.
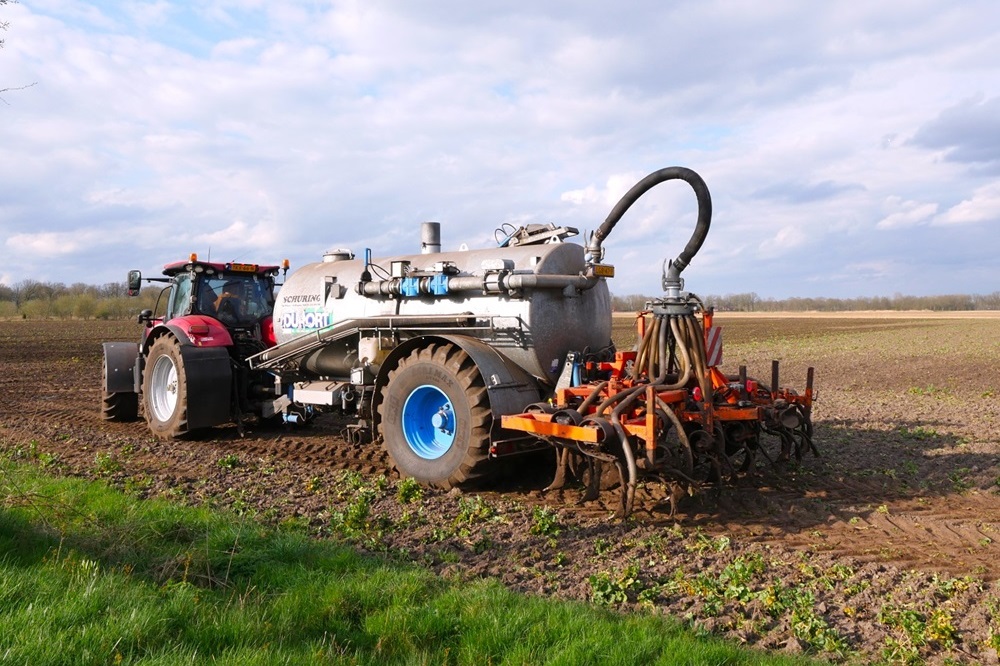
pixel 189 369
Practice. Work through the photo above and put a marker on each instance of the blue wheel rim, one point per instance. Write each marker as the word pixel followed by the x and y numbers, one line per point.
pixel 428 422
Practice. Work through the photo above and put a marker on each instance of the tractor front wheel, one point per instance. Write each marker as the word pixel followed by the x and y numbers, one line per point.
pixel 164 389
pixel 435 416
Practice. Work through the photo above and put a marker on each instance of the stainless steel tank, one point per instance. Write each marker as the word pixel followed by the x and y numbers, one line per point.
pixel 533 303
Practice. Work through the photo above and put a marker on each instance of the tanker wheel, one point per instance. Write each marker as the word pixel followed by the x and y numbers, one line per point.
pixel 116 406
pixel 164 388
pixel 435 416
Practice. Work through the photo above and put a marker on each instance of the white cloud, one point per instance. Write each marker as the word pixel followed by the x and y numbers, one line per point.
pixel 984 206
pixel 49 244
pixel 239 234
pixel 906 213
pixel 588 194
pixel 614 188
pixel 235 48
pixel 786 239
pixel 868 276
pixel 148 14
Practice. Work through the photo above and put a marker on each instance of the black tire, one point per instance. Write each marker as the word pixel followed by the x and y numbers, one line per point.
pixel 164 389
pixel 453 448
pixel 115 406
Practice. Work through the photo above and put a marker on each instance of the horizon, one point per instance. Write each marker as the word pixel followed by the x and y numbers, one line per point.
pixel 6 290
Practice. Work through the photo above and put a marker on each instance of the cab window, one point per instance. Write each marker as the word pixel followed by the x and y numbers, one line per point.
pixel 180 301
pixel 235 300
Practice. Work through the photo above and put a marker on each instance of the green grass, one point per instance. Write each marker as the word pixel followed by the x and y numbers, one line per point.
pixel 89 575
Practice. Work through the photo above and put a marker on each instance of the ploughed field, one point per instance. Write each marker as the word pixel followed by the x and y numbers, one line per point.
pixel 886 546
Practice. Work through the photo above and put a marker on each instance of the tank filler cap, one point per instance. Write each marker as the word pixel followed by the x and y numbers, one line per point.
pixel 340 254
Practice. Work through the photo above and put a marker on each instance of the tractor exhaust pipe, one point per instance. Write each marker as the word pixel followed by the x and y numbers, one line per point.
pixel 430 237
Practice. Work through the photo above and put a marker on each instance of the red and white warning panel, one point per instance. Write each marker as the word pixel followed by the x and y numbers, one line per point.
pixel 713 346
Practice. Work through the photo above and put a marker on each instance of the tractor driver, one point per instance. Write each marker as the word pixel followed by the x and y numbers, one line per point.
pixel 206 298
pixel 229 302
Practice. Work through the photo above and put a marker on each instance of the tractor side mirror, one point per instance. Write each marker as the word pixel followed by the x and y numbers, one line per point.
pixel 134 282
pixel 145 316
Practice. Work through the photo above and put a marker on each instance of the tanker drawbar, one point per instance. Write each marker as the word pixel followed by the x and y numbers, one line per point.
pixel 453 359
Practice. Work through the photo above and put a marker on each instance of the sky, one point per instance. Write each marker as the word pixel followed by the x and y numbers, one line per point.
pixel 851 148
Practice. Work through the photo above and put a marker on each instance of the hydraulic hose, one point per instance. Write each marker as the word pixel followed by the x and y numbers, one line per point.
pixel 680 333
pixel 669 173
pixel 681 436
pixel 685 356
pixel 656 350
pixel 640 354
pixel 630 464
pixel 654 357
pixel 655 353
pixel 592 398
pixel 697 348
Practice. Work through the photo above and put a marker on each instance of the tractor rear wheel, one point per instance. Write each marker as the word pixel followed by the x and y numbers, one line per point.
pixel 164 389
pixel 117 406
pixel 436 417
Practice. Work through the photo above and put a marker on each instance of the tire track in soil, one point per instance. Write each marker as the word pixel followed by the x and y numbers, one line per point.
pixel 932 533
pixel 330 452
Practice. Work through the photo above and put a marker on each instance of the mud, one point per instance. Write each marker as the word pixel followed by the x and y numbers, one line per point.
pixel 884 548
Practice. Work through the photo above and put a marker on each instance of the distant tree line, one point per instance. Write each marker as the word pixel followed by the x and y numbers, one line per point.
pixel 751 302
pixel 31 299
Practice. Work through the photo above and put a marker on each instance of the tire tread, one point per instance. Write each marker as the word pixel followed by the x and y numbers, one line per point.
pixel 464 369
pixel 119 407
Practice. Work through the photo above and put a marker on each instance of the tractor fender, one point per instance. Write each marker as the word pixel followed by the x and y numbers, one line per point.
pixel 209 385
pixel 181 328
pixel 120 367
pixel 510 387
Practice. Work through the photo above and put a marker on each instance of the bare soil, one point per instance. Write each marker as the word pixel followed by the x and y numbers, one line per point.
pixel 882 549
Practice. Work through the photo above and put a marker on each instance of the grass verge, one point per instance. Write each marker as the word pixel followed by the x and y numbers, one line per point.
pixel 91 576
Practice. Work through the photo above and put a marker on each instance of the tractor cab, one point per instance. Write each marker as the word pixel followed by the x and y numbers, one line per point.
pixel 238 296
pixel 237 300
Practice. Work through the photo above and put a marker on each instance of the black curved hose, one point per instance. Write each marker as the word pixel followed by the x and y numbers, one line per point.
pixel 643 186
